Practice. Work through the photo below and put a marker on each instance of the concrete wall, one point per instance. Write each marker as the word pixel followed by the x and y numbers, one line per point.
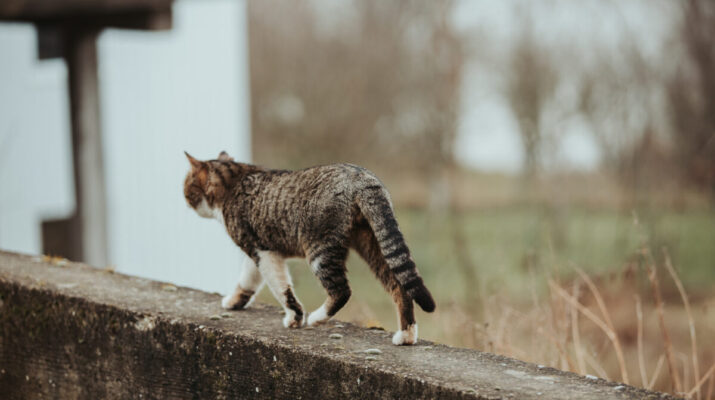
pixel 70 331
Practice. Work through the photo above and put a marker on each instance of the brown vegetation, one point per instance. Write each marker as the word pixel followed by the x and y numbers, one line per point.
pixel 613 327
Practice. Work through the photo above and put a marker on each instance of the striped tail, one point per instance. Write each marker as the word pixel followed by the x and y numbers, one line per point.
pixel 374 204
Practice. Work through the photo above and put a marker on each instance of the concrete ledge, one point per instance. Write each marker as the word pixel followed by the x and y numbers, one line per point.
pixel 71 331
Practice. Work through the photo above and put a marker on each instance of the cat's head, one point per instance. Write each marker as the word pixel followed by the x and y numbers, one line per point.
pixel 206 185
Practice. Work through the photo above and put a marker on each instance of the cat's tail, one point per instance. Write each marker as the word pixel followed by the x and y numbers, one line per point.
pixel 375 205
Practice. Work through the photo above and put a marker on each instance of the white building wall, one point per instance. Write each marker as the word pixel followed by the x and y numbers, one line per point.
pixel 162 93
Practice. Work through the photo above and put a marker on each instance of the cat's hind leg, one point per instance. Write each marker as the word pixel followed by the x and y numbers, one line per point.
pixel 365 243
pixel 275 271
pixel 249 283
pixel 328 264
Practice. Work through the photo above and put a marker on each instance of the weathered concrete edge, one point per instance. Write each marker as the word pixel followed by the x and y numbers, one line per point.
pixel 198 381
pixel 213 361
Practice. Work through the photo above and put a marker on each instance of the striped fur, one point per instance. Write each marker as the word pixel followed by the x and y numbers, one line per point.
pixel 318 213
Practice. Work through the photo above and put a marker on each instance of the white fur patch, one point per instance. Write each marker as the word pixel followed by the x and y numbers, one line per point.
pixel 205 211
pixel 218 215
pixel 250 279
pixel 289 319
pixel 318 316
pixel 228 301
pixel 315 265
pixel 272 267
pixel 274 270
pixel 407 336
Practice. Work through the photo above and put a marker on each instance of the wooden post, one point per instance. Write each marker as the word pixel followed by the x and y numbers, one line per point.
pixel 84 235
pixel 90 191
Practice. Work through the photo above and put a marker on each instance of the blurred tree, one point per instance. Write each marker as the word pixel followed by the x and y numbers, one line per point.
pixel 370 82
pixel 691 94
pixel 654 118
pixel 620 99
pixel 531 84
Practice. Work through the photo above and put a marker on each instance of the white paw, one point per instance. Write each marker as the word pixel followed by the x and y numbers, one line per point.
pixel 231 301
pixel 407 336
pixel 227 302
pixel 289 320
pixel 318 316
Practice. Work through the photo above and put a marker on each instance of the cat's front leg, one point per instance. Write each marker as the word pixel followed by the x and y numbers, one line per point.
pixel 275 271
pixel 249 283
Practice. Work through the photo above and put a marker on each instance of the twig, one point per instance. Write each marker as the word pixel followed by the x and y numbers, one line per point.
pixel 641 359
pixel 576 334
pixel 664 330
pixel 558 327
pixel 691 324
pixel 548 331
pixel 597 368
pixel 501 327
pixel 590 315
pixel 607 317
pixel 686 370
pixel 658 366
pixel 701 381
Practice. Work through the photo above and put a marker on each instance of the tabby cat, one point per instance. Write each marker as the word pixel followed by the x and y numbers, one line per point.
pixel 318 213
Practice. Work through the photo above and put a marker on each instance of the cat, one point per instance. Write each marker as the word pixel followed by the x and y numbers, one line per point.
pixel 317 213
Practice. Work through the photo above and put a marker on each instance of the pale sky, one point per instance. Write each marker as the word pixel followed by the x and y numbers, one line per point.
pixel 488 138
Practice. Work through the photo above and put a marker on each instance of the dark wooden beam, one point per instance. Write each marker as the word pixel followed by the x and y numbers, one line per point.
pixel 37 10
pixel 51 32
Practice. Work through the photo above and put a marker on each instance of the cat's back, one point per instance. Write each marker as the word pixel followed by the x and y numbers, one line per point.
pixel 338 178
pixel 314 191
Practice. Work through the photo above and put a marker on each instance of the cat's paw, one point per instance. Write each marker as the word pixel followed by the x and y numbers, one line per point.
pixel 237 301
pixel 318 317
pixel 228 302
pixel 406 337
pixel 292 321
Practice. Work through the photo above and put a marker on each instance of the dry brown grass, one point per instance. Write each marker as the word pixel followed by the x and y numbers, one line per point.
pixel 691 325
pixel 615 329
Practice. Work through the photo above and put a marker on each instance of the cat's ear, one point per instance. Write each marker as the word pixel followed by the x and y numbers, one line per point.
pixel 198 169
pixel 223 156
pixel 194 162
